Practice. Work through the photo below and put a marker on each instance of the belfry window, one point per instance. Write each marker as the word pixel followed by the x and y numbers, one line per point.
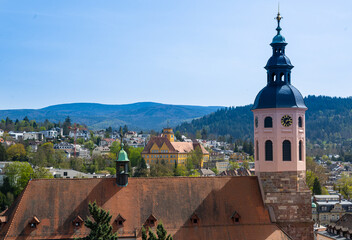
pixel 268 150
pixel 273 77
pixel 300 150
pixel 300 122
pixel 257 150
pixel 282 77
pixel 268 122
pixel 286 150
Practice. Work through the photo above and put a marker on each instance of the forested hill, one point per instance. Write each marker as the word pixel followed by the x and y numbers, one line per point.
pixel 327 119
pixel 137 116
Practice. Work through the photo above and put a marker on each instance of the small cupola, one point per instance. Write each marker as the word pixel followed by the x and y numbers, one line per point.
pixel 122 168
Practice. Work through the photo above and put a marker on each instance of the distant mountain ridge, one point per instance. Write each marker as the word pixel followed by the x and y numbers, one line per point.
pixel 140 115
pixel 328 119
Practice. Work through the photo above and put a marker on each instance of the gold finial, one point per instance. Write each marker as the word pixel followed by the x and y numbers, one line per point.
pixel 278 17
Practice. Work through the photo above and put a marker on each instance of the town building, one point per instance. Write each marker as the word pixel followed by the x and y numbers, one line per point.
pixel 339 230
pixel 99 151
pixel 37 136
pixel 274 205
pixel 164 149
pixel 16 135
pixel 53 133
pixel 63 146
pixel 330 208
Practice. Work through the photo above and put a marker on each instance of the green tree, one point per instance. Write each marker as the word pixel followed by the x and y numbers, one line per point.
pixel 195 157
pixel 141 170
pixel 178 136
pixel 66 126
pixel 115 148
pixel 18 174
pixel 135 155
pixel 160 169
pixel 160 232
pixel 100 227
pixel 17 152
pixel 344 186
pixel 42 172
pixel 125 129
pixel 316 187
pixel 180 170
pixel 3 153
pixel 45 155
pixel 234 165
pixel 245 164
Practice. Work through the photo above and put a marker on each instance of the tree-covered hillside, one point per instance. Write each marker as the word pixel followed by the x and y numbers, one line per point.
pixel 328 120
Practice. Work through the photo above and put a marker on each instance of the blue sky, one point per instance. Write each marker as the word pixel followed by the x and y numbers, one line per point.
pixel 195 52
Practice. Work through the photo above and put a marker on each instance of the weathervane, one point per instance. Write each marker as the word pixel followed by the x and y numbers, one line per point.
pixel 278 18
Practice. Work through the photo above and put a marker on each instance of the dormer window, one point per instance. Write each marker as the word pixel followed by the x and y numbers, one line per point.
pixel 120 220
pixel 151 221
pixel 77 222
pixel 194 219
pixel 235 217
pixel 34 222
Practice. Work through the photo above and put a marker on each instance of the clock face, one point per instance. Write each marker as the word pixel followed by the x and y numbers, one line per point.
pixel 256 122
pixel 286 120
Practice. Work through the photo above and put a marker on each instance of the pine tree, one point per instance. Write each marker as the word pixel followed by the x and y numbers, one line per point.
pixel 160 232
pixel 3 153
pixel 316 187
pixel 101 228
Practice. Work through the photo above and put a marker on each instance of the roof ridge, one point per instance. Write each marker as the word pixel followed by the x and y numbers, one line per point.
pixel 18 206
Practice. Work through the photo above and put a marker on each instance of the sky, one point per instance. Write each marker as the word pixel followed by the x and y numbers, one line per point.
pixel 198 52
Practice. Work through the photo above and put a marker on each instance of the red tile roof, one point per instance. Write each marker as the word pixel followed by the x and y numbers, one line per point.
pixel 173 201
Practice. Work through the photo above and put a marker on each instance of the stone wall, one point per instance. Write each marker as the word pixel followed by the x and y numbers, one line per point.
pixel 290 199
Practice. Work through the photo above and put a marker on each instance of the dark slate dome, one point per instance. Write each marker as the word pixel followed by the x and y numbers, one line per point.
pixel 279 96
pixel 282 60
pixel 279 93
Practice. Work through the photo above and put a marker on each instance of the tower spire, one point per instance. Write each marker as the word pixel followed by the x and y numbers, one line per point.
pixel 278 18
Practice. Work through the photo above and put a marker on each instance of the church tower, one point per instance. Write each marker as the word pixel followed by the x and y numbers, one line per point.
pixel 279 141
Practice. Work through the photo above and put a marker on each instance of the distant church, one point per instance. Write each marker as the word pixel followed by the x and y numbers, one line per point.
pixel 274 204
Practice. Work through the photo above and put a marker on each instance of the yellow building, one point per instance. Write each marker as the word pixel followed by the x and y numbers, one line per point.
pixel 165 149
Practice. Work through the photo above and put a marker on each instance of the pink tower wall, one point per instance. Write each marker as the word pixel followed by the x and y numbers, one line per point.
pixel 277 134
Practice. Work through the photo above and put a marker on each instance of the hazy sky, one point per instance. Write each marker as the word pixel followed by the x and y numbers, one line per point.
pixel 170 51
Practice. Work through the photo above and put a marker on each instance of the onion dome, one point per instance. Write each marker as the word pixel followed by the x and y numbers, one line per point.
pixel 279 93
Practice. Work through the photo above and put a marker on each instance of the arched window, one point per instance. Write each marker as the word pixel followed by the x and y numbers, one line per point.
pixel 300 122
pixel 268 150
pixel 286 150
pixel 268 122
pixel 300 145
pixel 273 77
pixel 257 150
pixel 282 77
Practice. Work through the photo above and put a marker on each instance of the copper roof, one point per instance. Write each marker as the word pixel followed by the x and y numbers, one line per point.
pixel 57 202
